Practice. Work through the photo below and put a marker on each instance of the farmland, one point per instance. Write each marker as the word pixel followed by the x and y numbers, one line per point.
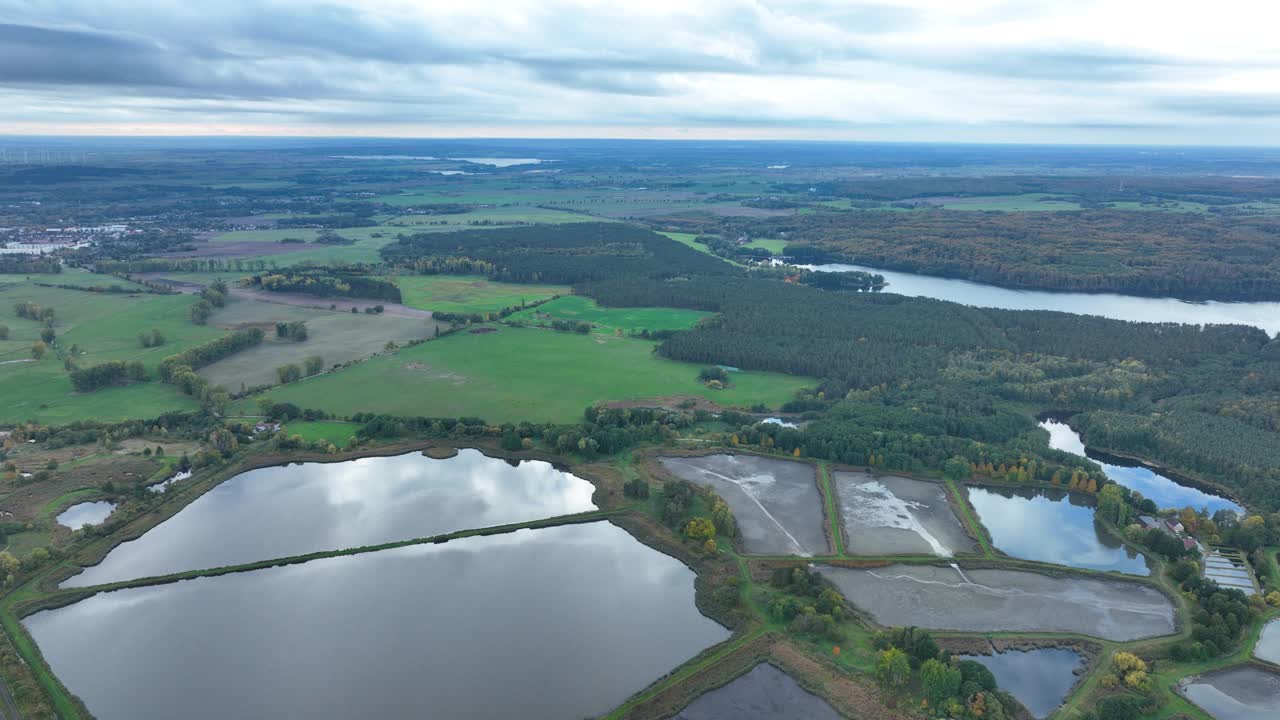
pixel 521 374
pixel 470 293
pixel 610 320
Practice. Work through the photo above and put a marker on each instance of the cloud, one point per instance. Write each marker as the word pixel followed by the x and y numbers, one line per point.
pixel 814 68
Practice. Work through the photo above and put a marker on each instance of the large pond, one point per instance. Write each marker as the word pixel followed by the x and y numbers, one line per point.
pixel 1163 491
pixel 1265 315
pixel 994 600
pixel 764 693
pixel 775 502
pixel 1052 526
pixel 85 513
pixel 308 507
pixel 892 515
pixel 563 622
pixel 1268 647
pixel 1243 692
pixel 1039 679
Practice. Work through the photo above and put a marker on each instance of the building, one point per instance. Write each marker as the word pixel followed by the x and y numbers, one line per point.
pixel 1147 522
pixel 1174 526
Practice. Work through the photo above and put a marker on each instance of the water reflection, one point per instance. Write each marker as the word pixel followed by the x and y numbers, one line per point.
pixel 1052 526
pixel 1243 692
pixel 308 507
pixel 564 622
pixel 1268 647
pixel 86 513
pixel 1038 678
pixel 1265 315
pixel 1163 491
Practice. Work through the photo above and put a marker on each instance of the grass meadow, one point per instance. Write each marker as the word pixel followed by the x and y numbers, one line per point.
pixel 520 374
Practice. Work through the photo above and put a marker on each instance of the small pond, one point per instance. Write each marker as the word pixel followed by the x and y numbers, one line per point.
pixel 177 478
pixel 775 502
pixel 1243 692
pixel 1268 647
pixel 1163 491
pixel 1052 526
pixel 1040 679
pixel 990 600
pixel 764 693
pixel 892 515
pixel 308 507
pixel 563 622
pixel 85 513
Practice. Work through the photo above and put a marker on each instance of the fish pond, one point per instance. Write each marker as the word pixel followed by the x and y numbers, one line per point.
pixel 1053 526
pixel 563 622
pixel 1243 692
pixel 1268 647
pixel 1160 489
pixel 764 693
pixel 776 503
pixel 892 515
pixel 1040 679
pixel 309 507
pixel 85 513
pixel 993 600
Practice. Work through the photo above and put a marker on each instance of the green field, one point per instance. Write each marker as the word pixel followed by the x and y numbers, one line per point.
pixel 105 327
pixel 686 239
pixel 774 246
pixel 576 307
pixel 329 431
pixel 519 374
pixel 469 293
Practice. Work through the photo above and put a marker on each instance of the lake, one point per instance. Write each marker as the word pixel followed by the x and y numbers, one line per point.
pixel 1243 692
pixel 764 693
pixel 308 507
pixel 893 515
pixel 1265 315
pixel 1163 491
pixel 775 503
pixel 1052 526
pixel 1039 678
pixel 556 623
pixel 995 600
pixel 85 513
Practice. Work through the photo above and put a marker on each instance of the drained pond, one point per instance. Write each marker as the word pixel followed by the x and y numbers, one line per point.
pixel 775 502
pixel 1039 678
pixel 563 622
pixel 764 693
pixel 309 507
pixel 85 513
pixel 1268 647
pixel 892 515
pixel 993 600
pixel 1052 526
pixel 1163 491
pixel 1243 692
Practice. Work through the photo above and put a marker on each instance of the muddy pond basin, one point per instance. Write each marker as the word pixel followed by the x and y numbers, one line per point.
pixel 1243 692
pixel 776 503
pixel 893 515
pixel 563 622
pixel 310 507
pixel 1052 526
pixel 995 600
pixel 764 693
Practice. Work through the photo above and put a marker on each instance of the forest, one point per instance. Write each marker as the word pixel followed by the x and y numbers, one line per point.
pixel 1185 255
pixel 571 253
pixel 910 383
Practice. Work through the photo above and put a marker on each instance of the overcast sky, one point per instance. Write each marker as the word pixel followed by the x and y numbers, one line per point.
pixel 1113 71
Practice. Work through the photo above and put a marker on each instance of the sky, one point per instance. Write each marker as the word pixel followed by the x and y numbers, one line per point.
pixel 1074 71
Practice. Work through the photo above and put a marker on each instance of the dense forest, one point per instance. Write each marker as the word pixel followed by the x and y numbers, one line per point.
pixel 1209 189
pixel 910 383
pixel 325 285
pixel 23 264
pixel 1185 255
pixel 570 253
